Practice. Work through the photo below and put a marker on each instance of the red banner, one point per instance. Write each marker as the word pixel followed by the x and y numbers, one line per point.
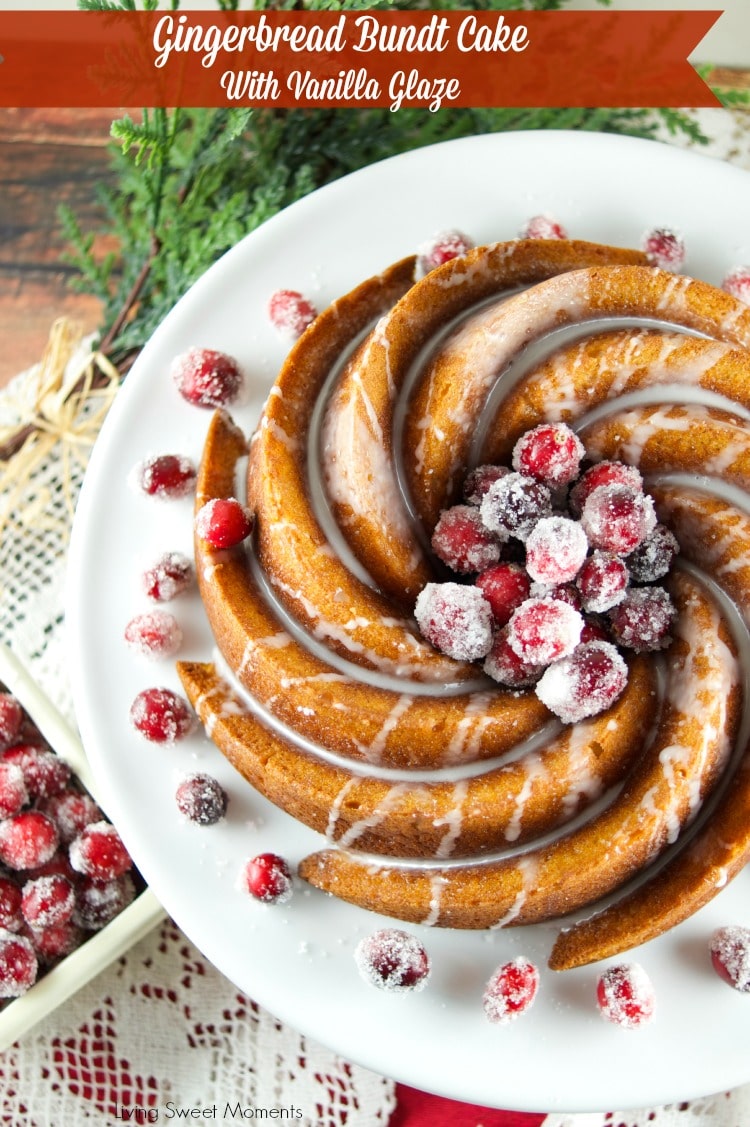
pixel 352 59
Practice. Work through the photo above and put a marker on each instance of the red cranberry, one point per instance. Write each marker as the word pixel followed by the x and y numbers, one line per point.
pixel 168 577
pixel 165 476
pixel 505 587
pixel 737 283
pixel 442 248
pixel 504 665
pixel 18 965
pixel 223 523
pixel 57 865
pixel 13 791
pixel 201 799
pixel 551 453
pixel 565 592
pixel 603 473
pixel 513 505
pixel 555 550
pixel 47 901
pixel 290 313
pixel 154 635
pixel 27 840
pixel 462 542
pixel 730 956
pixel 44 772
pixel 542 227
pixel 479 480
pixel 625 995
pixel 653 557
pixel 602 581
pixel 54 942
pixel 544 630
pixel 393 960
pixel 11 916
pixel 643 620
pixel 11 719
pixel 594 629
pixel 267 878
pixel 617 518
pixel 71 811
pixel 161 715
pixel 664 248
pixel 207 378
pixel 584 683
pixel 99 901
pixel 98 852
pixel 511 991
pixel 457 620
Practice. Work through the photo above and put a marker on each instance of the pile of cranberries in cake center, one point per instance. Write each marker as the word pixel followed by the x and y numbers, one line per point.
pixel 557 569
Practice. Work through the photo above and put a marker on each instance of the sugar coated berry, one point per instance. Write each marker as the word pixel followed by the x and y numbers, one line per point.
pixel 602 581
pixel 603 473
pixel 393 960
pixel 737 283
pixel 505 586
pixel 544 630
pixel 54 942
pixel 555 550
pixel 267 878
pixel 565 592
pixel 165 476
pixel 71 811
pixel 168 577
pixel 27 839
pixel 457 620
pixel 11 719
pixel 154 634
pixel 11 916
pixel 13 793
pixel 18 965
pixel 99 901
pixel 98 852
pixel 617 518
pixel 441 248
pixel 625 995
pixel 513 505
pixel 664 248
pixel 595 629
pixel 161 715
pixel 511 991
pixel 223 523
pixel 201 799
pixel 47 901
pixel 462 542
pixel 584 683
pixel 542 227
pixel 44 772
pixel 478 481
pixel 207 378
pixel 730 956
pixel 551 453
pixel 654 556
pixel 504 665
pixel 643 620
pixel 290 313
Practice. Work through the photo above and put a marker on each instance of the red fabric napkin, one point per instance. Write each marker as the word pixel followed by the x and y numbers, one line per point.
pixel 418 1109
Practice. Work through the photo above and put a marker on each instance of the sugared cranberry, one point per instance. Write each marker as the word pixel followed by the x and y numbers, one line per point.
pixel 625 995
pixel 462 542
pixel 223 523
pixel 168 577
pixel 18 965
pixel 617 518
pixel 441 248
pixel 71 811
pixel 47 901
pixel 161 715
pixel 393 960
pixel 603 473
pixel 27 840
pixel 51 943
pixel 544 630
pixel 44 772
pixel 511 991
pixel 737 283
pixel 654 556
pixel 457 620
pixel 98 852
pixel 730 956
pixel 504 665
pixel 99 901
pixel 11 916
pixel 505 587
pixel 664 248
pixel 595 629
pixel 584 683
pixel 201 799
pixel 13 791
pixel 290 313
pixel 513 505
pixel 643 620
pixel 555 550
pixel 165 476
pixel 11 719
pixel 207 378
pixel 57 865
pixel 267 878
pixel 542 227
pixel 602 581
pixel 154 635
pixel 551 453
pixel 479 480
pixel 565 592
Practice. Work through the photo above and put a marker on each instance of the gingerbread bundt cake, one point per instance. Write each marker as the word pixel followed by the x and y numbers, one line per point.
pixel 445 797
